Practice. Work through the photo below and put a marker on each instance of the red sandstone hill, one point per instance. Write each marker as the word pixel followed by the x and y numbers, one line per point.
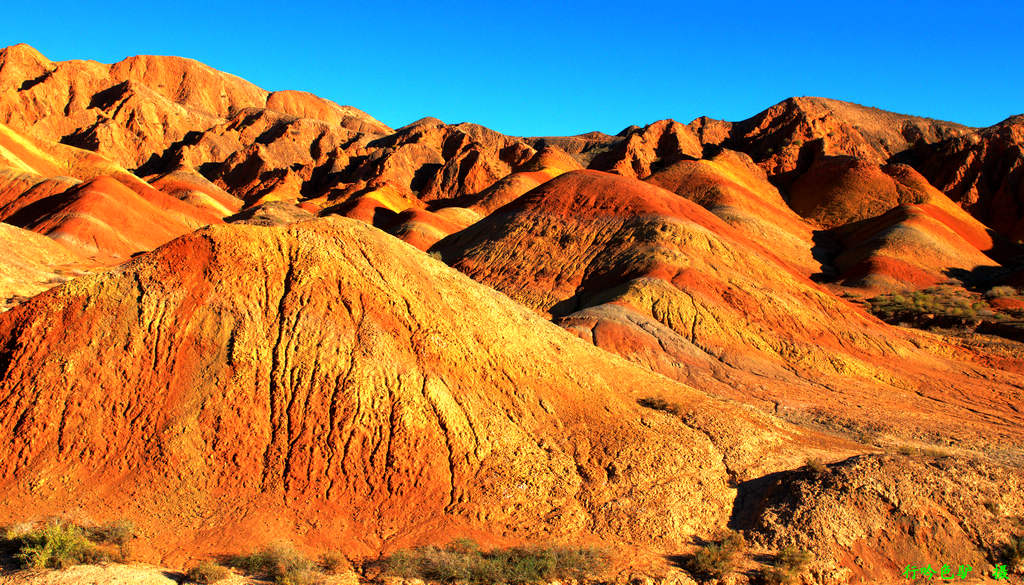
pixel 654 277
pixel 732 187
pixel 408 405
pixel 354 387
pixel 106 220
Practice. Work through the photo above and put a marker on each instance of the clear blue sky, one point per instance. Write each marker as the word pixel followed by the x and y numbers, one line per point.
pixel 546 68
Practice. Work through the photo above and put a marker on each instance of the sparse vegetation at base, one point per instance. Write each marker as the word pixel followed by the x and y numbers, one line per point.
pixel 998 292
pixel 278 562
pixel 923 451
pixel 718 559
pixel 463 561
pixel 117 533
pixel 999 311
pixel 57 544
pixel 776 576
pixel 206 573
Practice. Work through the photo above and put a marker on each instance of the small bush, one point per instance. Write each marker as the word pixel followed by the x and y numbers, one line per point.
pixel 116 532
pixel 279 562
pixel 56 545
pixel 1000 291
pixel 334 562
pixel 660 404
pixel 776 576
pixel 463 561
pixel 718 559
pixel 789 563
pixel 816 466
pixel 206 573
pixel 793 559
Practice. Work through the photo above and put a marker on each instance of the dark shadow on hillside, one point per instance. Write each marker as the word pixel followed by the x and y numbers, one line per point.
pixel 30 83
pixel 825 250
pixel 7 561
pixel 755 495
pixel 174 576
pixel 983 278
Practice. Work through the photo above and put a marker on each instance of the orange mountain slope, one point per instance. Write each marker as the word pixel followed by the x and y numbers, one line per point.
pixel 732 187
pixel 658 279
pixel 330 384
pixel 32 263
pixel 106 220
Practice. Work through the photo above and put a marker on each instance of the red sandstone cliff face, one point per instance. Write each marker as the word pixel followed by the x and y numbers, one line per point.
pixel 983 172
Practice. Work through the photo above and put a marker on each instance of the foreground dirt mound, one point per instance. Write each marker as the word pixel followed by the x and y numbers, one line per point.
pixel 328 383
pixel 868 517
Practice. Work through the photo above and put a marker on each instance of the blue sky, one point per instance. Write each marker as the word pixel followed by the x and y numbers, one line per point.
pixel 550 68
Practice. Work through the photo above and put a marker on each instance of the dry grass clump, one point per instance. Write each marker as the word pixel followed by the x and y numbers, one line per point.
pixel 789 563
pixel 117 533
pixel 662 405
pixel 718 559
pixel 939 301
pixel 817 466
pixel 334 562
pixel 207 573
pixel 278 562
pixel 463 561
pixel 924 451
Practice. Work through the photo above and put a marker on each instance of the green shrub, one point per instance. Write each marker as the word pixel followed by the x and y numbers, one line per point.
pixel 717 559
pixel 463 561
pixel 206 573
pixel 278 562
pixel 56 545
